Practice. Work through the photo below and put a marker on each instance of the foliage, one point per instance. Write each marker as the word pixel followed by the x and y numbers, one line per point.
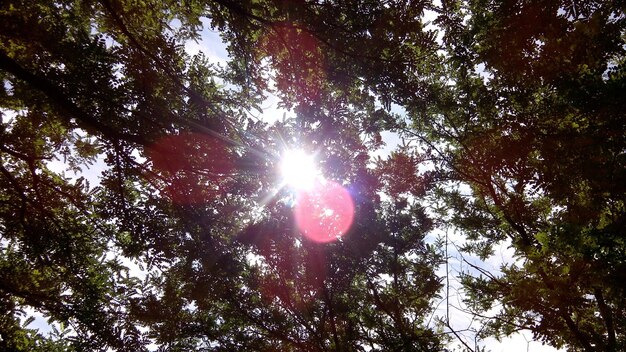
pixel 531 121
pixel 184 242
pixel 518 103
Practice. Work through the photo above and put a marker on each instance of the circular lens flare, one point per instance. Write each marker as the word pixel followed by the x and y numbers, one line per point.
pixel 325 212
pixel 298 170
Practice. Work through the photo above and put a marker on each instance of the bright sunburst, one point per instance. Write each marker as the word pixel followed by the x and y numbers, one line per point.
pixel 298 169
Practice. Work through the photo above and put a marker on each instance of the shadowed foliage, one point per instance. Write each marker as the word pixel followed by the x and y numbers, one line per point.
pixel 187 242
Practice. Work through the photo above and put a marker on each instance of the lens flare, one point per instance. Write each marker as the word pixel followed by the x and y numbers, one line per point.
pixel 175 157
pixel 325 212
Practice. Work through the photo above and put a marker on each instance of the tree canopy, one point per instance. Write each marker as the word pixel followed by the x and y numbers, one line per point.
pixel 512 116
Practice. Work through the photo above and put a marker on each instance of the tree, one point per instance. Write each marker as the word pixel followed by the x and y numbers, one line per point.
pixel 520 103
pixel 529 118
pixel 186 167
pixel 522 106
pixel 530 140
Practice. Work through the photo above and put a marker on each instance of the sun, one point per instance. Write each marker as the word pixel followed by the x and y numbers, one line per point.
pixel 298 170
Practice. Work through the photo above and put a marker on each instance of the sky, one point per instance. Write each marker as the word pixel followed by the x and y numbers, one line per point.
pixel 215 50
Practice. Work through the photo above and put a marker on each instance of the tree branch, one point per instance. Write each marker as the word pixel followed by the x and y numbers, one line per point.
pixel 56 94
pixel 605 312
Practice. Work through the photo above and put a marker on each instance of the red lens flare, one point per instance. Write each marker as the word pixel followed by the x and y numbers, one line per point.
pixel 300 56
pixel 325 212
pixel 194 165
